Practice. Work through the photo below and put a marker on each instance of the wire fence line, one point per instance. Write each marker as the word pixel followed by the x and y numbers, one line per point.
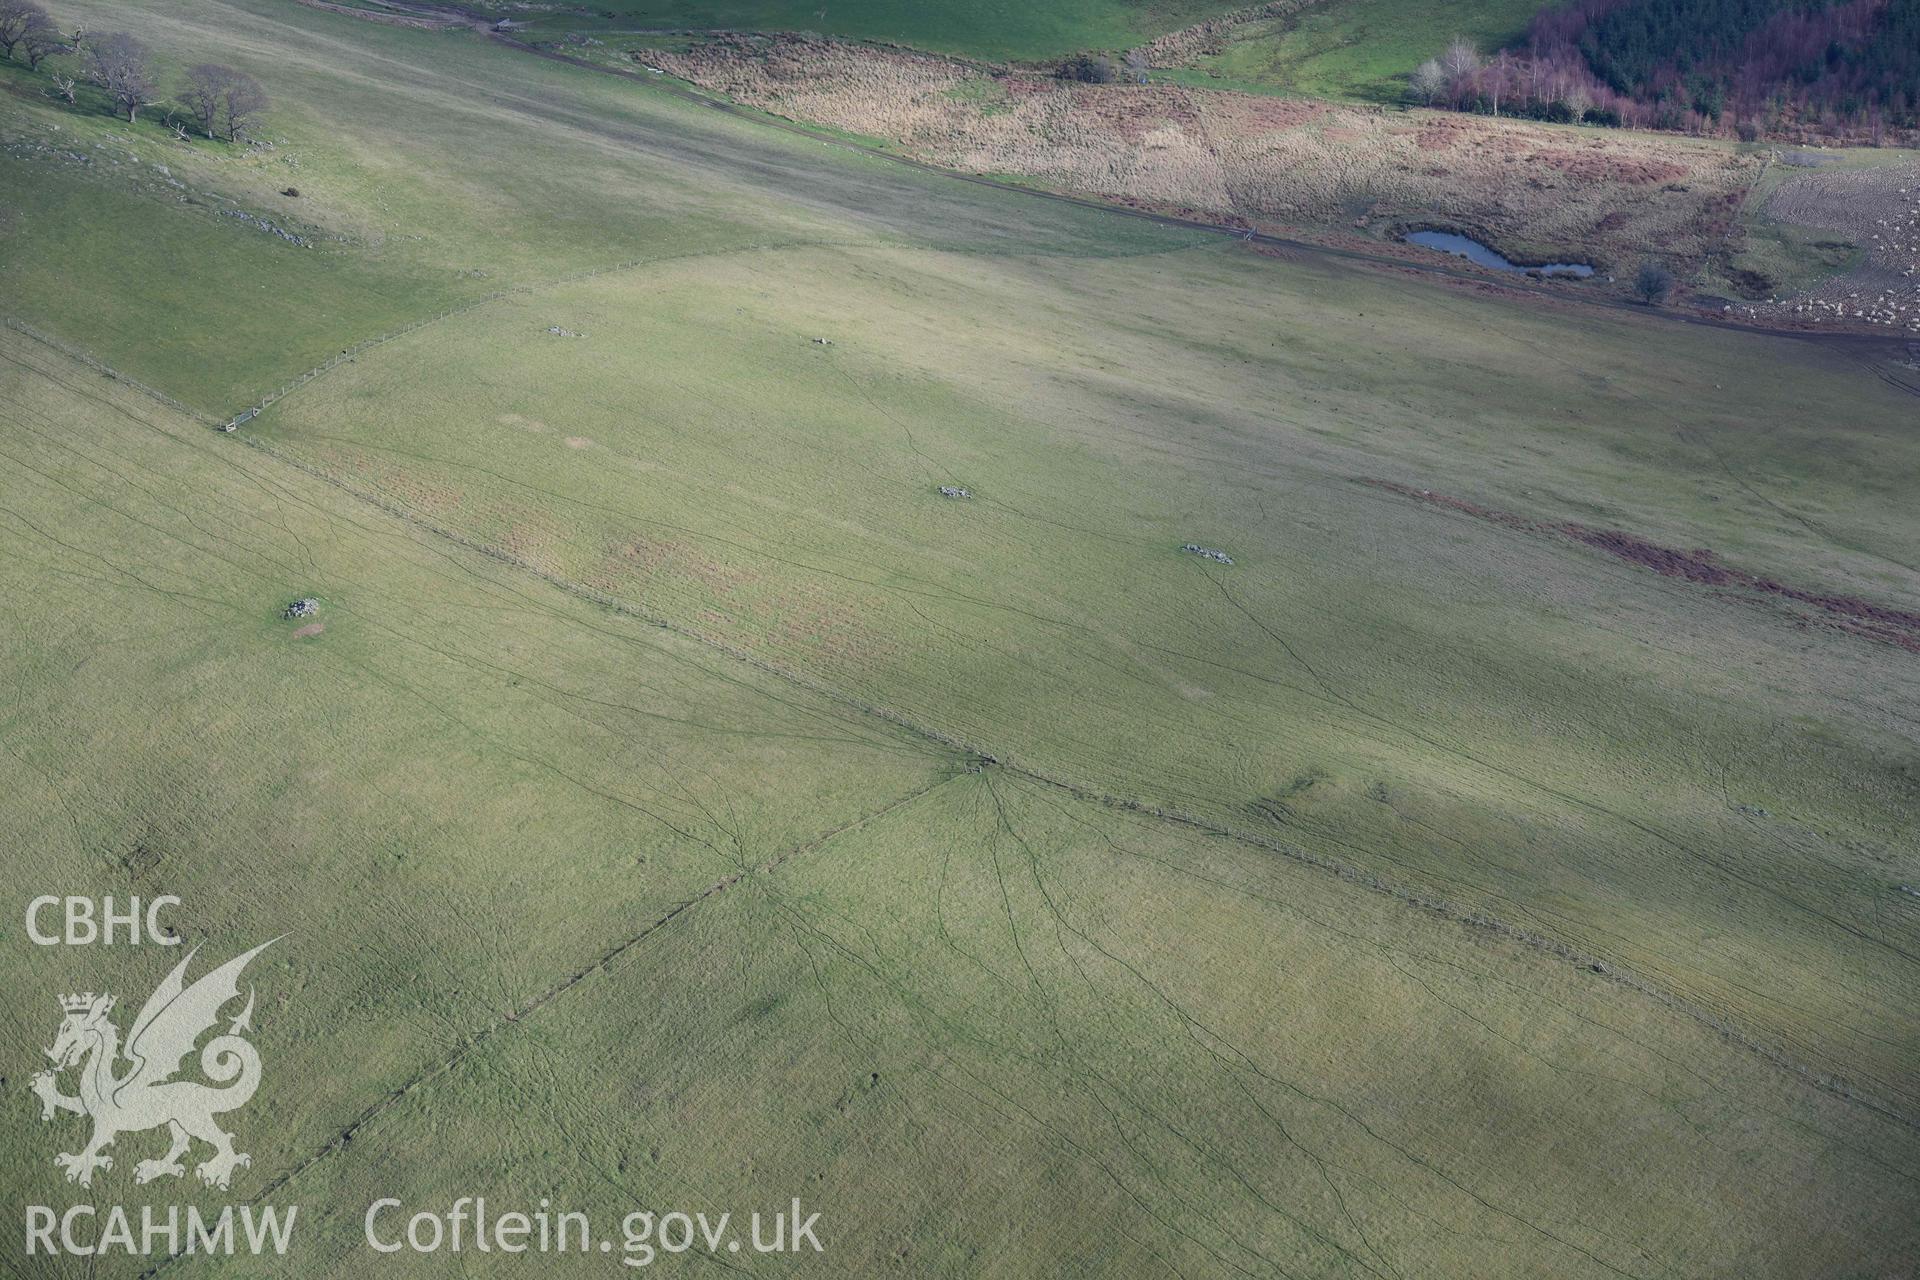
pixel 105 370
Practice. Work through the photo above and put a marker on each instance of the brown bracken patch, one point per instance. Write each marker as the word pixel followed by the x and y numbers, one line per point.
pixel 1597 167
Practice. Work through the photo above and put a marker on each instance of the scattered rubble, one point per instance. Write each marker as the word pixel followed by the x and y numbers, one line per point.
pixel 305 607
pixel 558 332
pixel 954 491
pixel 1207 553
pixel 270 227
pixel 823 342
pixel 108 160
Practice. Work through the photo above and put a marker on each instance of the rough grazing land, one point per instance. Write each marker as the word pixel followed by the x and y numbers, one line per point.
pixel 686 804
pixel 1538 192
pixel 614 919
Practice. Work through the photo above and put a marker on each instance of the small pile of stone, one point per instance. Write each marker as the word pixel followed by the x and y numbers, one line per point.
pixel 305 607
pixel 954 491
pixel 823 342
pixel 1207 553
pixel 558 332
pixel 268 226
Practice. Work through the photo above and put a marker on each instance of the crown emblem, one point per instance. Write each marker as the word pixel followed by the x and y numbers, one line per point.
pixel 77 1003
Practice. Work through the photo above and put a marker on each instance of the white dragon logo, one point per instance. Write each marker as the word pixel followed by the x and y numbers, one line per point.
pixel 173 1019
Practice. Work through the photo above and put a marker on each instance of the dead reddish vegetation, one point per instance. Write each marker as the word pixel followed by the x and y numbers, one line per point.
pixel 1132 113
pixel 1694 566
pixel 1596 166
pixel 1846 613
pixel 1281 113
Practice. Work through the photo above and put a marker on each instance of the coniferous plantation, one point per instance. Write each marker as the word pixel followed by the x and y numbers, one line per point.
pixel 1752 67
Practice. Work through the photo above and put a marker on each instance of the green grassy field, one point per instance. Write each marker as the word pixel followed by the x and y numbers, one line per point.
pixel 1420 895
pixel 997 29
pixel 1360 49
pixel 981 1025
pixel 1329 692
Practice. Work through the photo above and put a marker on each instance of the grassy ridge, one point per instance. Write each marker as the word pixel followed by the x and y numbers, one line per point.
pixel 528 172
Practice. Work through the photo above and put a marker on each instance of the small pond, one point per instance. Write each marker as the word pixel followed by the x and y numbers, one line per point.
pixel 1474 251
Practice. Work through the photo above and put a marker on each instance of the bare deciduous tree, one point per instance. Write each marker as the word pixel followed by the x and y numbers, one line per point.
pixel 123 67
pixel 16 18
pixel 223 101
pixel 1428 82
pixel 245 102
pixel 65 88
pixel 40 39
pixel 1460 60
pixel 206 86
pixel 1499 78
